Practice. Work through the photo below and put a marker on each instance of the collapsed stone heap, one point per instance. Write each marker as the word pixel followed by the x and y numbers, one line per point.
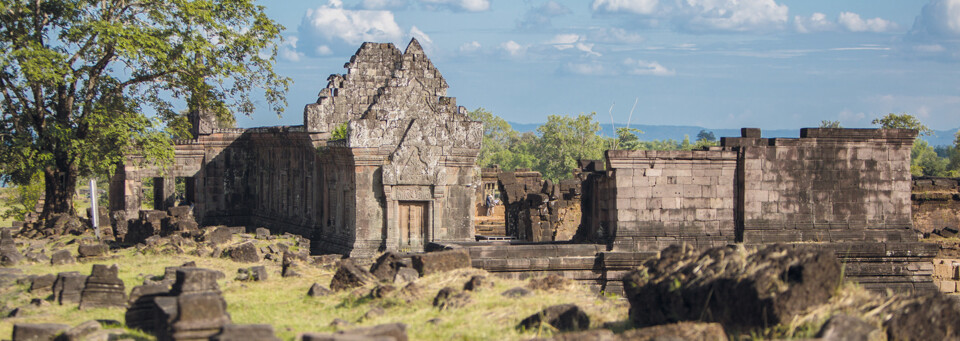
pixel 537 209
pixel 191 309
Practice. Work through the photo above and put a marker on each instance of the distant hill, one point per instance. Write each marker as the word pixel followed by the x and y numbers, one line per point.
pixel 658 132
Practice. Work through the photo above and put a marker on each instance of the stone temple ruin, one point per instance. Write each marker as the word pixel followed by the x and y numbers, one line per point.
pixel 386 162
pixel 402 176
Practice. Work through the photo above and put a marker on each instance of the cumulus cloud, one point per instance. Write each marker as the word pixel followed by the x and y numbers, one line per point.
pixel 646 68
pixel 629 6
pixel 702 15
pixel 816 22
pixel 848 21
pixel 853 23
pixel 572 41
pixel 457 5
pixel 513 49
pixel 331 27
pixel 939 18
pixel 288 50
pixel 539 17
pixel 731 15
pixel 470 47
pixel 383 4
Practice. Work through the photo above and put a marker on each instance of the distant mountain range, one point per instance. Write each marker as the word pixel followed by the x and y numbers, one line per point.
pixel 658 132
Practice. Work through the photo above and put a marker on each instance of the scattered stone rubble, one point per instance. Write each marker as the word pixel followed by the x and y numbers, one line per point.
pixel 739 289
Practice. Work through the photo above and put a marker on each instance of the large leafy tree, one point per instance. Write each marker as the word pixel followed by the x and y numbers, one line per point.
pixel 76 77
pixel 564 140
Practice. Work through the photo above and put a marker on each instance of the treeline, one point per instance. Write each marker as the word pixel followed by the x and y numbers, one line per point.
pixel 557 144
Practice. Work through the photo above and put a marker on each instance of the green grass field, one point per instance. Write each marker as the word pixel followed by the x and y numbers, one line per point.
pixel 283 303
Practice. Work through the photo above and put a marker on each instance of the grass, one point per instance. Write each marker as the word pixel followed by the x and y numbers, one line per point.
pixel 283 303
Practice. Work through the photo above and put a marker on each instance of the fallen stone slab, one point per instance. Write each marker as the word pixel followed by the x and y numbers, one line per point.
pixel 43 285
pixel 441 261
pixel 847 328
pixel 37 331
pixel 928 317
pixel 564 317
pixel 392 331
pixel 68 287
pixel 62 257
pixel 349 276
pixel 246 332
pixel 256 273
pixel 92 250
pixel 739 288
pixel 678 331
pixel 450 298
pixel 318 290
pixel 81 332
pixel 245 253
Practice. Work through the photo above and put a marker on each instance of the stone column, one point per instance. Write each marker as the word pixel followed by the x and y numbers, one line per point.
pixel 164 193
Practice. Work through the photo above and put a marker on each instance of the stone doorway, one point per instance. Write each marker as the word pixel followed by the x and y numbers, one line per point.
pixel 413 224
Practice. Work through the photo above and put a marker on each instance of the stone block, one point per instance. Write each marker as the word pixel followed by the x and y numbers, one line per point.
pixel 37 331
pixel 244 332
pixel 68 287
pixel 103 288
pixel 442 261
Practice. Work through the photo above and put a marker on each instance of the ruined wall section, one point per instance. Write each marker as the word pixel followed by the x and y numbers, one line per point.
pixel 348 96
pixel 936 204
pixel 659 198
pixel 828 185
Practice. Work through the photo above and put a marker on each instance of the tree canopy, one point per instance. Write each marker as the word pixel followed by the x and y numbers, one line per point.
pixel 902 121
pixel 77 76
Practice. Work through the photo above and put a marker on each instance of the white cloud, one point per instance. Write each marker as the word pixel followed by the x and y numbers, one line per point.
pixel 383 4
pixel 288 50
pixel 645 68
pixel 423 38
pixel 939 18
pixel 816 22
pixel 630 6
pixel 731 15
pixel 614 36
pixel 572 41
pixel 588 69
pixel 457 5
pixel 332 27
pixel 540 16
pixel 703 15
pixel 853 23
pixel 513 48
pixel 470 47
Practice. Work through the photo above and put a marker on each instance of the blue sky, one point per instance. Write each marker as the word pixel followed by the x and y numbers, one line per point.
pixel 714 63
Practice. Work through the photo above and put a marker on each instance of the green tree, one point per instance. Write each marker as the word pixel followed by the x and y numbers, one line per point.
pixel 705 135
pixel 22 199
pixel 902 121
pixel 954 164
pixel 564 140
pixel 924 161
pixel 498 137
pixel 832 124
pixel 77 76
pixel 626 139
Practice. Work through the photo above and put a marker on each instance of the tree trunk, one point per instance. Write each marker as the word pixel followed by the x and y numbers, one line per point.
pixel 60 184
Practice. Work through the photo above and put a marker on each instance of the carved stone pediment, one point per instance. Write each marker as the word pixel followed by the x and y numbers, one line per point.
pixel 414 165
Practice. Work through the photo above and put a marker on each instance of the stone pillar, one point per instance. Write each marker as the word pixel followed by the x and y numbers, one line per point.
pixel 164 193
pixel 125 190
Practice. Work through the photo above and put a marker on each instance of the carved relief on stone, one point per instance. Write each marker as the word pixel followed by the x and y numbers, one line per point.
pixel 414 165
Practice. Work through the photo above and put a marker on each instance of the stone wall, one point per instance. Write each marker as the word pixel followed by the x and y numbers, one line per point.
pixel 828 185
pixel 936 204
pixel 655 199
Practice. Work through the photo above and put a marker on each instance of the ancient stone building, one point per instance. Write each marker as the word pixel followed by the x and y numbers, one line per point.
pixel 846 190
pixel 383 161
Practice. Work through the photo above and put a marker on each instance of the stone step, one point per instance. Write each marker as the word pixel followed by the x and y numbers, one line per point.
pixel 534 264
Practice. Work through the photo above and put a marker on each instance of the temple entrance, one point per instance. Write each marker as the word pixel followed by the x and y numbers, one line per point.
pixel 413 224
